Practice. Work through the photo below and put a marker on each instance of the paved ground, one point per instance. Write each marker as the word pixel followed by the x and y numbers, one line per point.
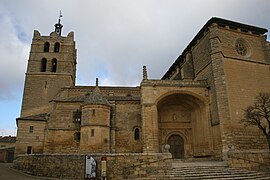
pixel 7 173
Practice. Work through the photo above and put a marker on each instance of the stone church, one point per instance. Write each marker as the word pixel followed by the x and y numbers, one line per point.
pixel 195 107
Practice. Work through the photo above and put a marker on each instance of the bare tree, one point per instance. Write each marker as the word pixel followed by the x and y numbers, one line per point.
pixel 259 114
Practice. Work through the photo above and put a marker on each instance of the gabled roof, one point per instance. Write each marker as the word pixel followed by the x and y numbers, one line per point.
pixel 220 22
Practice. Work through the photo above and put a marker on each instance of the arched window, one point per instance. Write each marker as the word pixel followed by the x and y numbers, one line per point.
pixel 136 134
pixel 54 65
pixel 43 65
pixel 56 47
pixel 46 47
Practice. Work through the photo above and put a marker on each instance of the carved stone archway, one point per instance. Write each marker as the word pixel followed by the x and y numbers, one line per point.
pixel 183 115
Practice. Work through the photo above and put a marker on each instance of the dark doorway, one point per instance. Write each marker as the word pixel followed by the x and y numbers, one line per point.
pixel 10 157
pixel 176 143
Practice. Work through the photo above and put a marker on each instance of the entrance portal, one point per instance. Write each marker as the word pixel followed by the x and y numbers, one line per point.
pixel 176 143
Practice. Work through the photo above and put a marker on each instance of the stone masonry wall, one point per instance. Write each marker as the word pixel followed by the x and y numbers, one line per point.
pixel 203 54
pixel 119 166
pixel 246 76
pixel 128 117
pixel 26 138
pixel 251 160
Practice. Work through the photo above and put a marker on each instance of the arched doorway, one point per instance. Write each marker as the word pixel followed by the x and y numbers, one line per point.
pixel 183 124
pixel 176 143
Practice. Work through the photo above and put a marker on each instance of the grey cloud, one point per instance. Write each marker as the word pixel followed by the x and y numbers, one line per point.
pixel 115 39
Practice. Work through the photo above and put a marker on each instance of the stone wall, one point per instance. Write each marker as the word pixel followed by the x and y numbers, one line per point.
pixel 246 76
pixel 251 160
pixel 119 166
pixel 26 138
pixel 127 118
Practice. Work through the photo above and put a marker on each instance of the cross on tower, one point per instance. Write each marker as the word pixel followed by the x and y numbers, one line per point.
pixel 58 26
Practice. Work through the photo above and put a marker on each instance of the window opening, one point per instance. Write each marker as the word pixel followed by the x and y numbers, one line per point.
pixel 77 136
pixel 29 150
pixel 54 65
pixel 43 65
pixel 92 132
pixel 46 47
pixel 77 115
pixel 56 47
pixel 241 48
pixel 31 129
pixel 93 112
pixel 137 134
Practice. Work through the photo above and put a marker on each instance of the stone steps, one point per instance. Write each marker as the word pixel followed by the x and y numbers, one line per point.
pixel 207 170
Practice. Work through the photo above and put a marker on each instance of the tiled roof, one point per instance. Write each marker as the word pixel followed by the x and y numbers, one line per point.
pixel 8 139
pixel 109 98
pixel 95 97
pixel 39 117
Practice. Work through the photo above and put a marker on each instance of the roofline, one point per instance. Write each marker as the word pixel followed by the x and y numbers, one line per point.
pixel 102 87
pixel 219 21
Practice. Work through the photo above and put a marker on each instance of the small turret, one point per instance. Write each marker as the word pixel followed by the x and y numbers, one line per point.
pixel 95 124
pixel 95 97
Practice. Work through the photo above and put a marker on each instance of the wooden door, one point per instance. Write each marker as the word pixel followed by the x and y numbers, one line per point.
pixel 176 143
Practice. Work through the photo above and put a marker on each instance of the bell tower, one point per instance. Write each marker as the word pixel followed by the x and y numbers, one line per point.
pixel 51 66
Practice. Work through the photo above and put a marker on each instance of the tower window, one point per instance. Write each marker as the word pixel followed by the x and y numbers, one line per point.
pixel 31 129
pixel 137 134
pixel 54 65
pixel 93 112
pixel 57 47
pixel 46 47
pixel 43 65
pixel 29 150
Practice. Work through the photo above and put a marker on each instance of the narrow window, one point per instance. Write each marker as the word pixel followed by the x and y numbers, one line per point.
pixel 45 84
pixel 31 129
pixel 56 47
pixel 43 65
pixel 77 116
pixel 137 134
pixel 92 132
pixel 93 112
pixel 77 136
pixel 29 150
pixel 46 47
pixel 54 65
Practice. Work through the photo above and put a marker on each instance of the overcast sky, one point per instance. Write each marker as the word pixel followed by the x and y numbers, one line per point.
pixel 114 38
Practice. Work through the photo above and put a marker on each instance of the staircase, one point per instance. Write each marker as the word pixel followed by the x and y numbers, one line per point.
pixel 207 170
